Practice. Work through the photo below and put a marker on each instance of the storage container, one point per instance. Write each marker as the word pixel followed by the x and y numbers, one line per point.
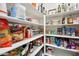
pixel 3 9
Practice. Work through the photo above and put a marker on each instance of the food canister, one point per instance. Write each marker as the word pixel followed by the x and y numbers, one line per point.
pixel 3 9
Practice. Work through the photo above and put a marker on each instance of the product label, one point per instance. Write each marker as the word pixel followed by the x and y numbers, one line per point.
pixel 2 35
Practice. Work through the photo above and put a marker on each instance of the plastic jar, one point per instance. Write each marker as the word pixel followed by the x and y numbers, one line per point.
pixel 3 9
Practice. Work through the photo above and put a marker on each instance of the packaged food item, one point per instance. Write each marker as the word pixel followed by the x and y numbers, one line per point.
pixel 38 42
pixel 28 33
pixel 72 44
pixel 16 32
pixel 70 20
pixel 5 37
pixel 65 43
pixel 68 31
pixel 58 41
pixel 50 50
pixel 64 30
pixel 3 9
pixel 77 32
pixel 49 41
pixel 72 30
pixel 59 31
pixel 75 20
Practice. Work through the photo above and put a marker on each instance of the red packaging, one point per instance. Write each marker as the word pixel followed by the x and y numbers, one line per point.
pixel 5 37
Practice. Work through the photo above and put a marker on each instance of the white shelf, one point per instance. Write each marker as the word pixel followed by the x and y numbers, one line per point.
pixel 64 13
pixel 63 36
pixel 19 21
pixel 18 44
pixel 47 54
pixel 72 50
pixel 36 50
pixel 61 25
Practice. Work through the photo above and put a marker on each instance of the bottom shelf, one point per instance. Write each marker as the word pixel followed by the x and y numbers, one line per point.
pixel 72 50
pixel 47 54
pixel 37 49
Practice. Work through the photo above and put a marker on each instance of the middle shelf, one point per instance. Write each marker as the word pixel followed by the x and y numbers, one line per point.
pixel 63 36
pixel 18 44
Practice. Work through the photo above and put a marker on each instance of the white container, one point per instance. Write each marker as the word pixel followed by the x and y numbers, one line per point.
pixel 20 11
pixel 3 9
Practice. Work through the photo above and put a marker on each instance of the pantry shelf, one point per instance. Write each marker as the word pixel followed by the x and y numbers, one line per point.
pixel 47 54
pixel 50 25
pixel 19 21
pixel 18 44
pixel 72 50
pixel 37 50
pixel 64 13
pixel 63 36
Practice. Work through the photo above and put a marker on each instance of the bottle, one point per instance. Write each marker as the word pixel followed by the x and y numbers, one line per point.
pixel 13 11
pixel 59 8
pixel 63 7
pixel 68 7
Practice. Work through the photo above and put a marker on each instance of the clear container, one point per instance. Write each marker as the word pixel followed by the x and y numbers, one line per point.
pixel 3 9
pixel 21 11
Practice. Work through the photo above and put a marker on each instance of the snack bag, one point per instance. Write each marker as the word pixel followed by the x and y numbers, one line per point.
pixel 5 38
pixel 16 32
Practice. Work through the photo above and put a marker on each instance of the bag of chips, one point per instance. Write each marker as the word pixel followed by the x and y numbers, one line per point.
pixel 5 37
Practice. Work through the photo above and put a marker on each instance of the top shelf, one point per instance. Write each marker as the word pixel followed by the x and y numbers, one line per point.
pixel 34 13
pixel 19 21
pixel 64 13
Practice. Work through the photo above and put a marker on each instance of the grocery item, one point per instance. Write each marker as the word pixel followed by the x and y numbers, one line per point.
pixel 38 42
pixel 59 31
pixel 28 33
pixel 3 9
pixel 65 43
pixel 63 7
pixel 72 44
pixel 50 50
pixel 70 20
pixel 68 31
pixel 5 37
pixel 17 10
pixel 49 41
pixel 58 41
pixel 59 8
pixel 13 11
pixel 16 32
pixel 64 30
pixel 72 30
pixel 77 32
